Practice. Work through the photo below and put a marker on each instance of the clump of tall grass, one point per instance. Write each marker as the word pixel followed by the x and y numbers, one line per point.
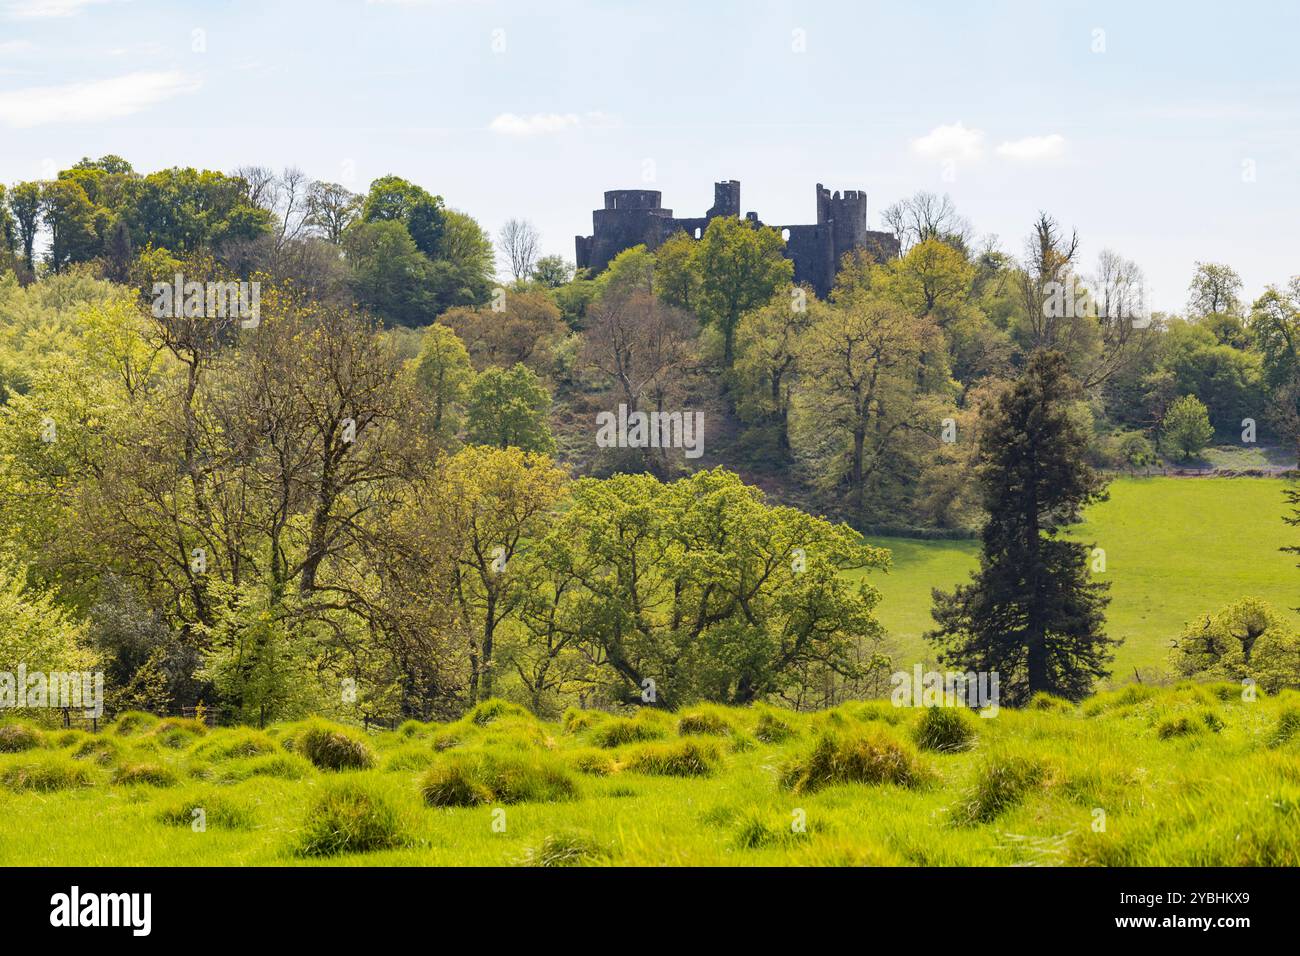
pixel 178 732
pixel 408 758
pixel 594 761
pixel 15 738
pixel 352 817
pixel 45 774
pixel 707 721
pixel 566 848
pixel 1001 782
pixel 676 758
pixel 100 750
pixel 214 810
pixel 772 728
pixel 755 831
pixel 1288 727
pixel 331 747
pixel 1045 701
pixel 628 730
pixel 412 728
pixel 235 744
pixel 495 709
pixel 575 721
pixel 1126 696
pixel 483 776
pixel 871 756
pixel 1189 725
pixel 144 773
pixel 944 729
pixel 280 766
pixel 132 722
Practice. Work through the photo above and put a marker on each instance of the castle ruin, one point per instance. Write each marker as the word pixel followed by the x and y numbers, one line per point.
pixel 633 217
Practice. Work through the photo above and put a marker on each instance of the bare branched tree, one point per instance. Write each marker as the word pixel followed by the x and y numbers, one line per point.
pixel 521 243
pixel 927 216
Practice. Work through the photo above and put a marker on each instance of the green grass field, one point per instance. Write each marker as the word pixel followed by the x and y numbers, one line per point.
pixel 1190 775
pixel 1175 548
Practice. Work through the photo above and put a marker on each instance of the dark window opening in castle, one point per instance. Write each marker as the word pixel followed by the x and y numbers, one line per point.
pixel 634 217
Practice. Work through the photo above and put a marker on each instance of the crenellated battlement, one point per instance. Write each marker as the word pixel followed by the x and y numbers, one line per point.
pixel 634 217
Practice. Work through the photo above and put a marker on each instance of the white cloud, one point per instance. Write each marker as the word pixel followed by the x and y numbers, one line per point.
pixel 16 47
pixel 511 124
pixel 1033 149
pixel 45 9
pixel 953 141
pixel 93 101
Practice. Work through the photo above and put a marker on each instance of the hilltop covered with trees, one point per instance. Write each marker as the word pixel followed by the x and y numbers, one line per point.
pixel 386 498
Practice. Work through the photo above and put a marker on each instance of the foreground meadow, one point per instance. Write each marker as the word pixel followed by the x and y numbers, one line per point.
pixel 1188 775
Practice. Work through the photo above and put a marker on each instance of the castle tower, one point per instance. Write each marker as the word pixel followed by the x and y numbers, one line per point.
pixel 726 199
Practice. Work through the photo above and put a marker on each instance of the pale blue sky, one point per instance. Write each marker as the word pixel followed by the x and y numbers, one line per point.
pixel 533 110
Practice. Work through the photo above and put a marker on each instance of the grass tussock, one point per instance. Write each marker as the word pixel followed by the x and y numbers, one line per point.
pixel 133 722
pixel 706 721
pixel 331 747
pixel 487 777
pixel 944 730
pixel 773 728
pixel 1287 727
pixel 45 774
pixel 870 756
pixel 15 738
pixel 566 848
pixel 495 709
pixel 101 750
pixel 1001 782
pixel 352 817
pixel 144 773
pixel 619 731
pixel 677 758
pixel 236 744
pixel 208 811
pixel 575 721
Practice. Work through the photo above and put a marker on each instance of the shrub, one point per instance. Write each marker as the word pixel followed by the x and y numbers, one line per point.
pixel 350 817
pixel 15 738
pixel 478 777
pixel 566 848
pixel 678 758
pixel 148 774
pixel 1001 782
pixel 133 722
pixel 332 748
pixel 1288 726
pixel 45 775
pixel 872 757
pixel 624 730
pixel 710 721
pixel 944 729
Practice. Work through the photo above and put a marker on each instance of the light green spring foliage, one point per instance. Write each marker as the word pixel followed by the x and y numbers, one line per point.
pixel 1185 775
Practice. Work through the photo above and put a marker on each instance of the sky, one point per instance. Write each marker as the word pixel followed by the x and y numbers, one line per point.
pixel 1167 132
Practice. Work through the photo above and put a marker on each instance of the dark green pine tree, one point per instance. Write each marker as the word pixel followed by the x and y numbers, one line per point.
pixel 1030 613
